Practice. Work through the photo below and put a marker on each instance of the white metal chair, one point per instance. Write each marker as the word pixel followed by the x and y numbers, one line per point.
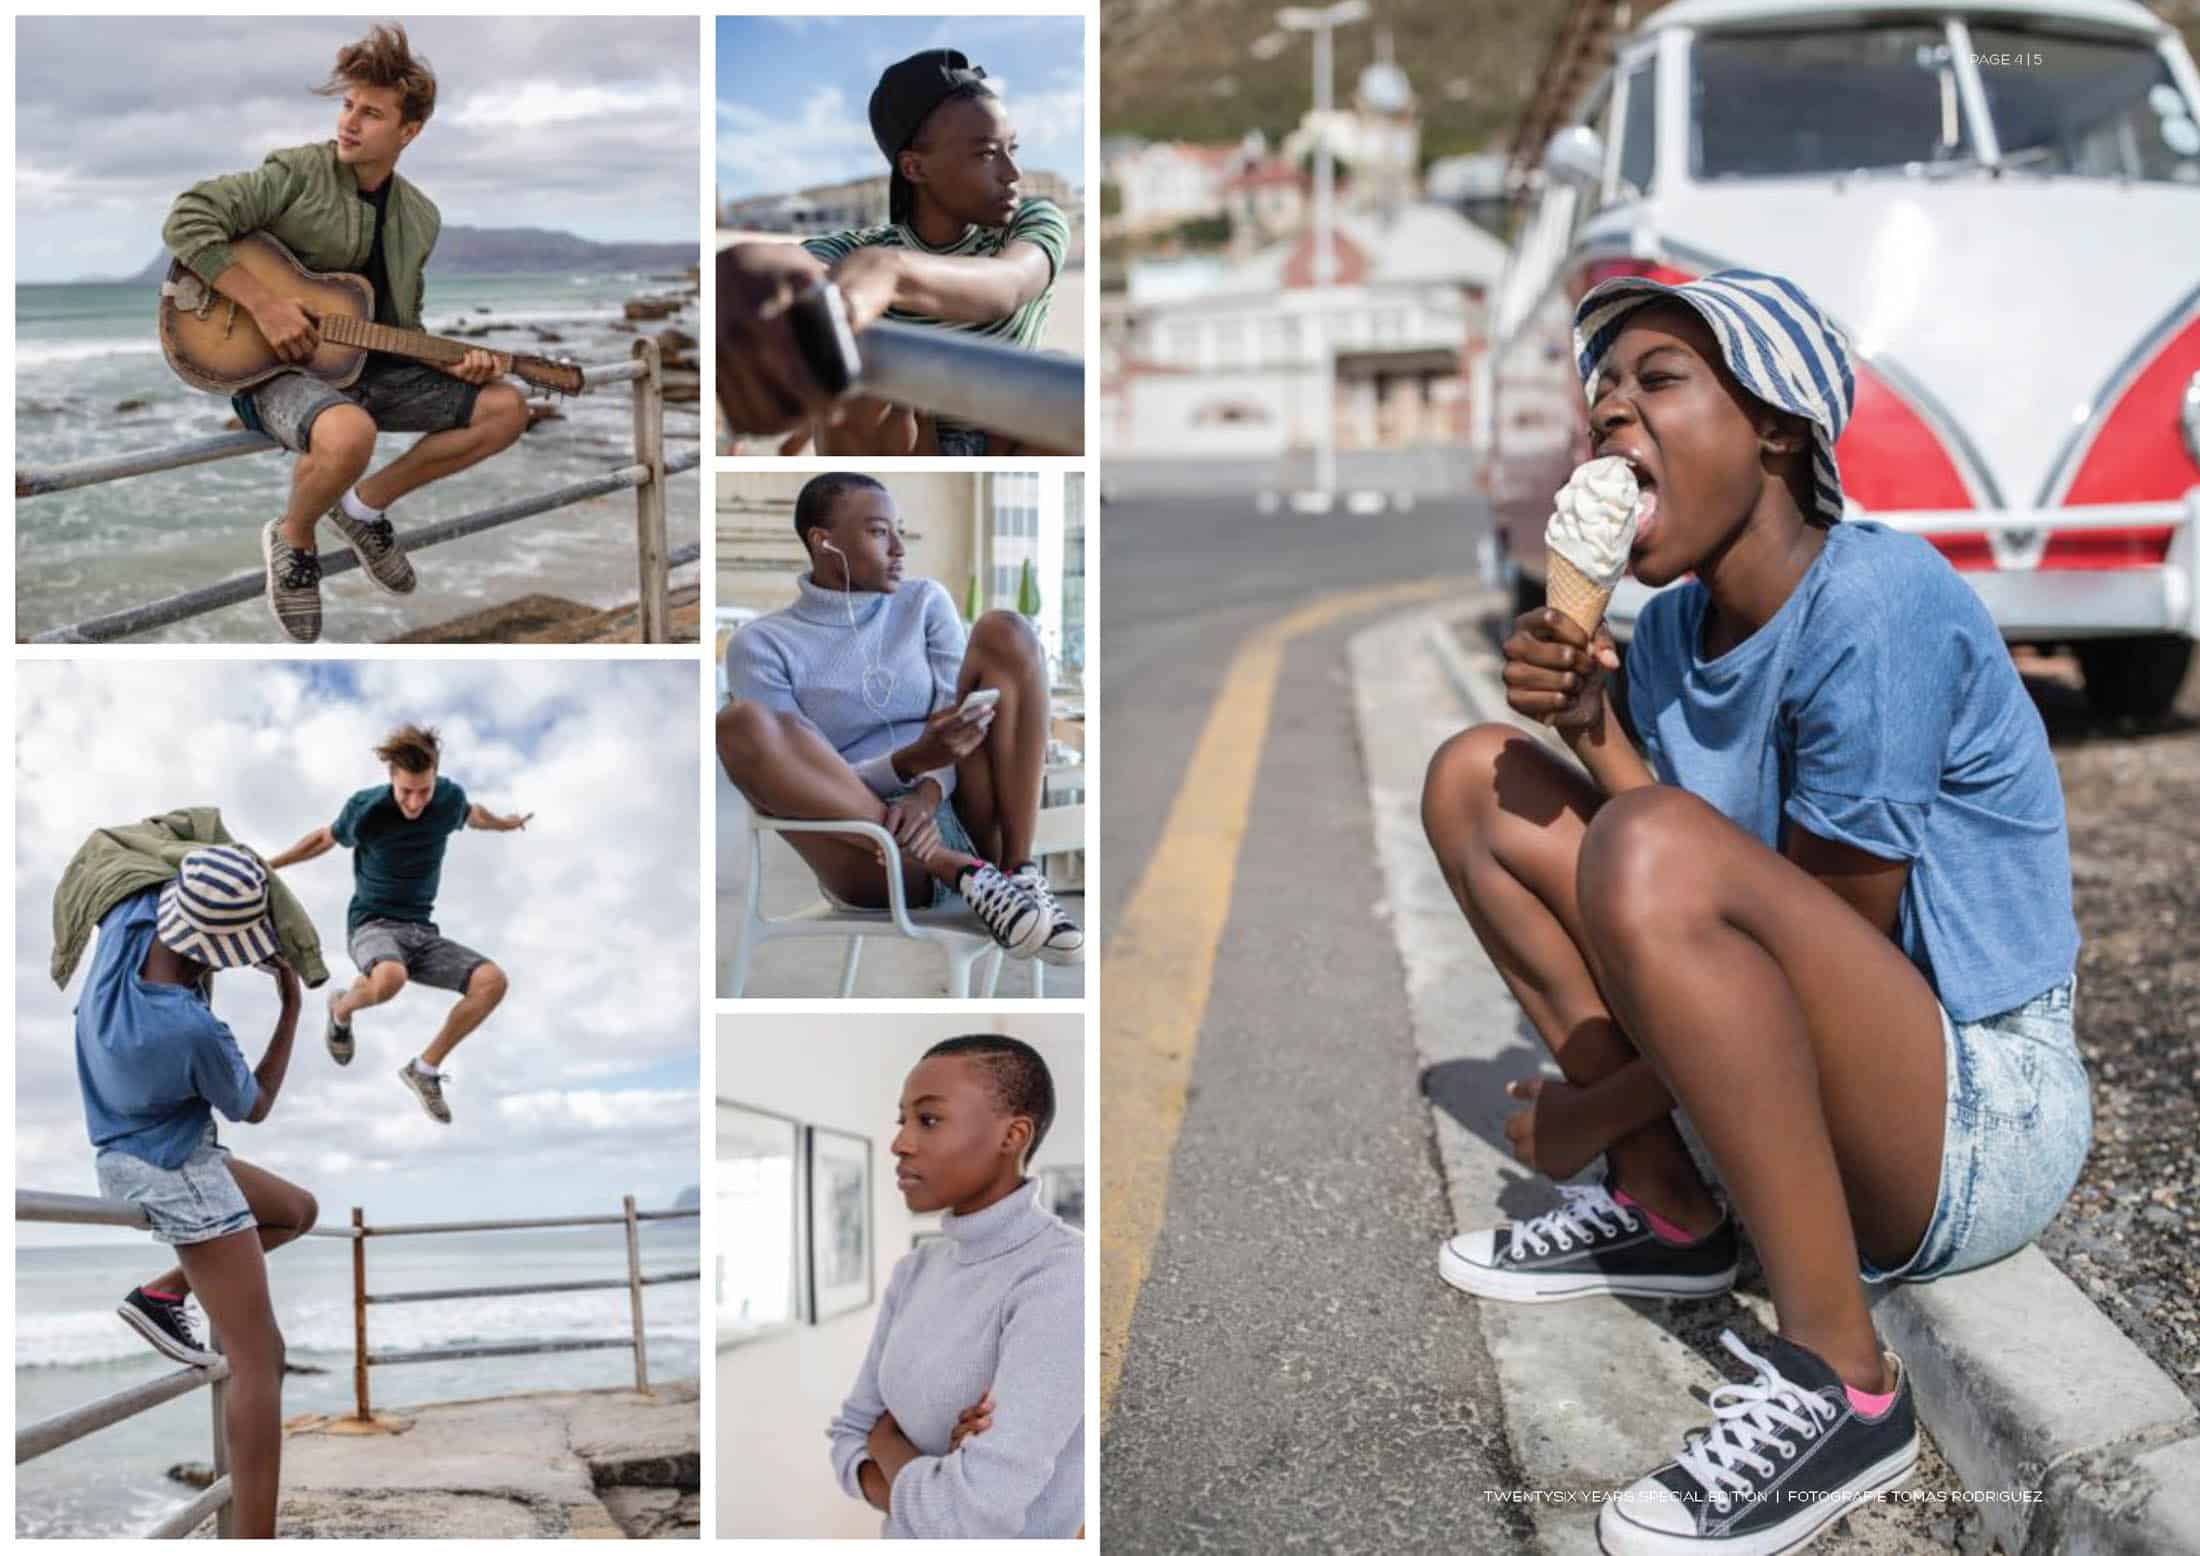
pixel 971 953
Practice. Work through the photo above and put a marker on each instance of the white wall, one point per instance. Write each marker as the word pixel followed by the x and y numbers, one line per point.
pixel 775 1395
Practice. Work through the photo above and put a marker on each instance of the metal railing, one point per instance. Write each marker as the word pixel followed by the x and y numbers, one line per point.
pixel 80 1421
pixel 645 476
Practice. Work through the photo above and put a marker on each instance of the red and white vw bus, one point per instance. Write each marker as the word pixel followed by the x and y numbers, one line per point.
pixel 2000 206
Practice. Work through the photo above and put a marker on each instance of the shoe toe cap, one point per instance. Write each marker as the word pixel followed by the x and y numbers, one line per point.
pixel 1650 1504
pixel 1475 1248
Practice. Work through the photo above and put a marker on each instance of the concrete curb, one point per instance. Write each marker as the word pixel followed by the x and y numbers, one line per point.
pixel 2076 1442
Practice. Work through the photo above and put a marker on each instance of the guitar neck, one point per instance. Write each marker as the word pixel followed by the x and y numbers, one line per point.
pixel 347 331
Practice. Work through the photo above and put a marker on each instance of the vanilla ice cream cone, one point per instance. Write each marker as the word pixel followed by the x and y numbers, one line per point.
pixel 1575 595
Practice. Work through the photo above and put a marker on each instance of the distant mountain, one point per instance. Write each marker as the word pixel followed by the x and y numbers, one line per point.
pixel 462 251
pixel 690 1198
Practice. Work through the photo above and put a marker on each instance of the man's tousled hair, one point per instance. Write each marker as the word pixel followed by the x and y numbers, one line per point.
pixel 384 58
pixel 411 748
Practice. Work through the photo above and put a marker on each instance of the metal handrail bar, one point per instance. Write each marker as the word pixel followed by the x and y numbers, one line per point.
pixel 179 1524
pixel 644 475
pixel 59 1430
pixel 1024 394
pixel 452 1293
pixel 521 1348
pixel 422 1227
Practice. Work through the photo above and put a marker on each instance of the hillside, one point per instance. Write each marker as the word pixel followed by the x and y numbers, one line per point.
pixel 463 251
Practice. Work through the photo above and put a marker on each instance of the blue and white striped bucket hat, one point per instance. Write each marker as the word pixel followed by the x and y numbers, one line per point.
pixel 1777 344
pixel 215 911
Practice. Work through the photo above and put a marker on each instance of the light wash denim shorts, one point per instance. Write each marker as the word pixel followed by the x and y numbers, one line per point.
pixel 2019 1124
pixel 194 1203
pixel 954 837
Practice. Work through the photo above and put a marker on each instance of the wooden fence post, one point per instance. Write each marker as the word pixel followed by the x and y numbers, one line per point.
pixel 634 1295
pixel 359 1310
pixel 649 497
pixel 225 1516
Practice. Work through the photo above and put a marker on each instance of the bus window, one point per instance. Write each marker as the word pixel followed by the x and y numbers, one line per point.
pixel 1771 105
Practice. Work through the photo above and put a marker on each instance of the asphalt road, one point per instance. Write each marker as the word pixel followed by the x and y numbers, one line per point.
pixel 1295 1375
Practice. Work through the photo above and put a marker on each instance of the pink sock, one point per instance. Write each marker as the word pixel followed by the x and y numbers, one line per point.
pixel 1658 1223
pixel 1868 1404
pixel 165 1296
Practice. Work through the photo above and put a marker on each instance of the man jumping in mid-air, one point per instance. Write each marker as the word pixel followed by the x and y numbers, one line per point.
pixel 398 832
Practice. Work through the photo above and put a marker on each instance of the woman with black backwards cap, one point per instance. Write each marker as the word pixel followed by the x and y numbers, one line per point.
pixel 963 250
pixel 1825 907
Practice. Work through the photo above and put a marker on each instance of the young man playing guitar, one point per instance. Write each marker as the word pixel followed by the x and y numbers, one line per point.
pixel 340 205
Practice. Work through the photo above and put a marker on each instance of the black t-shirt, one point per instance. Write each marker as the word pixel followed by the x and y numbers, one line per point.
pixel 378 273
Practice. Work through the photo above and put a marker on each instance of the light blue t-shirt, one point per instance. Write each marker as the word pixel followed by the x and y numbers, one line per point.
pixel 151 1057
pixel 1879 708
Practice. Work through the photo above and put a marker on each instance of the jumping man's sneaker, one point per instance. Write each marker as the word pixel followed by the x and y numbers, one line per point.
pixel 163 1322
pixel 339 1035
pixel 1787 1455
pixel 374 543
pixel 1592 1245
pixel 293 585
pixel 428 1088
pixel 1009 913
pixel 1064 945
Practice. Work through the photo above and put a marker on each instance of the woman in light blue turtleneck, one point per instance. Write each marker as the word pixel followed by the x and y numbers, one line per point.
pixel 968 1418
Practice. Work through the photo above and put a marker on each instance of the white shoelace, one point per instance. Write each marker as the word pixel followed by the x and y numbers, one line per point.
pixel 1034 882
pixel 1751 1417
pixel 996 900
pixel 1588 1211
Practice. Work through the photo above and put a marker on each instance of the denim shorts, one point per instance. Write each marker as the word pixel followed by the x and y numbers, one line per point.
pixel 2018 1126
pixel 401 396
pixel 194 1203
pixel 427 957
pixel 953 836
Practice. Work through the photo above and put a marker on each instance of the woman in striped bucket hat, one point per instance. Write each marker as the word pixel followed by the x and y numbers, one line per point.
pixel 1815 890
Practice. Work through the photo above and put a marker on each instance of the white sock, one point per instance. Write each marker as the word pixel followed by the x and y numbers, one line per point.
pixel 425 1068
pixel 354 508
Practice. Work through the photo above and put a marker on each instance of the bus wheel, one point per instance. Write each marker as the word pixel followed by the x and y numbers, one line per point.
pixel 2134 677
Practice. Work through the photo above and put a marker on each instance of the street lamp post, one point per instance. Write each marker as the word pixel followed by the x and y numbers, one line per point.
pixel 1323 22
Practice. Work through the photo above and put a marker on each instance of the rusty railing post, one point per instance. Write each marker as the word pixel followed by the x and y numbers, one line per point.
pixel 649 497
pixel 359 1311
pixel 634 1295
pixel 225 1517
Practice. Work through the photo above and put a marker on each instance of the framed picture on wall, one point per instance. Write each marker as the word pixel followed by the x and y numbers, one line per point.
pixel 757 1189
pixel 841 1236
pixel 1062 1190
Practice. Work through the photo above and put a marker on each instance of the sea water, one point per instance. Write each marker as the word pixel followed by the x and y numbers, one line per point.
pixel 91 382
pixel 71 1349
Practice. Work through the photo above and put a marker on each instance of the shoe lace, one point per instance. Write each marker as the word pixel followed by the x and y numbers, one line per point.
pixel 1033 882
pixel 377 535
pixel 180 1320
pixel 302 570
pixel 1589 1211
pixel 996 899
pixel 1750 1418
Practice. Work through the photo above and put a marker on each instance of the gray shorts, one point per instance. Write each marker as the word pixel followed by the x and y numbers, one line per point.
pixel 194 1203
pixel 401 396
pixel 424 954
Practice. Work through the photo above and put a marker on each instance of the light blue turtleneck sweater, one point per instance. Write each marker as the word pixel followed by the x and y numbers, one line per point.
pixel 1000 1303
pixel 804 659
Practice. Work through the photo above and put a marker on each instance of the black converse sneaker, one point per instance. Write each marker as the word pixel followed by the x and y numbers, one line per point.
pixel 166 1326
pixel 1064 945
pixel 1592 1245
pixel 1786 1456
pixel 1009 913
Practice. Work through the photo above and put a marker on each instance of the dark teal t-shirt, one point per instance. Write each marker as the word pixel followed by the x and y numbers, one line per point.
pixel 396 864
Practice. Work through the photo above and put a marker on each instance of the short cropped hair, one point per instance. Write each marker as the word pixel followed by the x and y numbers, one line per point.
pixel 1019 1078
pixel 813 505
pixel 411 748
pixel 384 58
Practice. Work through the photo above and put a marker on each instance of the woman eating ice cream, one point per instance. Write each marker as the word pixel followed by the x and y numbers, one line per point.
pixel 1824 907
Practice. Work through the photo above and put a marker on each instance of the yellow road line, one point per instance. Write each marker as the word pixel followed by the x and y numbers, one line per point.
pixel 1160 961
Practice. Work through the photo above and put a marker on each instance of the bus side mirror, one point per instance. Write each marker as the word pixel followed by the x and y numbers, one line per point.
pixel 1575 156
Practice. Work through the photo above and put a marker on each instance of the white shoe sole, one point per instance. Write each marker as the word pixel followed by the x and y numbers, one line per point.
pixel 1618 1535
pixel 1055 956
pixel 267 571
pixel 1509 1286
pixel 160 1340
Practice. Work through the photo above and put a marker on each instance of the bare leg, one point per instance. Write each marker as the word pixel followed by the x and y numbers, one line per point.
pixel 485 987
pixel 500 416
pixel 788 770
pixel 285 1213
pixel 337 450
pixel 380 984
pixel 997 786
pixel 230 1276
pixel 1804 1044
pixel 1507 819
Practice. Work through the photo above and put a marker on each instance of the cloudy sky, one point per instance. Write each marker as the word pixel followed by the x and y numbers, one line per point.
pixel 563 122
pixel 793 91
pixel 581 1087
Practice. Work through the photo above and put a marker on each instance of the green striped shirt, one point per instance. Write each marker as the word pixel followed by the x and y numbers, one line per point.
pixel 1038 221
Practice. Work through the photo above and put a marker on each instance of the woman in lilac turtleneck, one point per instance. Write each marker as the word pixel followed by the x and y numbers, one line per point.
pixel 968 1418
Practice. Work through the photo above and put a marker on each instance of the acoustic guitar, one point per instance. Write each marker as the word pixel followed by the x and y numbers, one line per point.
pixel 213 343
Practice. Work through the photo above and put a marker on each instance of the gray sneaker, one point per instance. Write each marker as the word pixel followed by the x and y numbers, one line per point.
pixel 428 1088
pixel 338 1035
pixel 374 543
pixel 293 585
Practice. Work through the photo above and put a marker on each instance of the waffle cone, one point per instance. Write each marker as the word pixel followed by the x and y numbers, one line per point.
pixel 1574 595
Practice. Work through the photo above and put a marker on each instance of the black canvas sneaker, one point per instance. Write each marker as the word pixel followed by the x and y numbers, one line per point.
pixel 166 1327
pixel 1786 1456
pixel 1590 1246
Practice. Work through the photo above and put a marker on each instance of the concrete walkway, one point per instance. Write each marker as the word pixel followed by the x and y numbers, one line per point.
pixel 599 1464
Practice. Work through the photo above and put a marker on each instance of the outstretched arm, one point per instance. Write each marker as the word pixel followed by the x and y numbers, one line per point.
pixel 484 819
pixel 312 846
pixel 967 288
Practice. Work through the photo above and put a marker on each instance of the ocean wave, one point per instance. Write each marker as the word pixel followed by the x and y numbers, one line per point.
pixel 46 353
